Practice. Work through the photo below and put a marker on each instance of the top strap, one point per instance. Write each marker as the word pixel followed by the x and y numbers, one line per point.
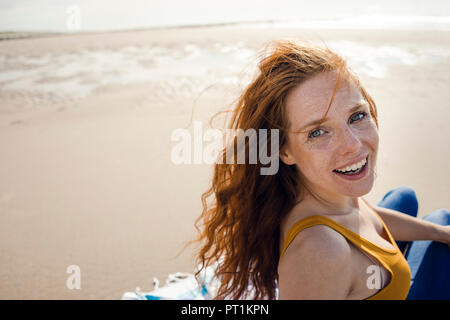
pixel 355 238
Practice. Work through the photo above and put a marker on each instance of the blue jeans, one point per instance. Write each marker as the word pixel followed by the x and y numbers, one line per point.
pixel 429 261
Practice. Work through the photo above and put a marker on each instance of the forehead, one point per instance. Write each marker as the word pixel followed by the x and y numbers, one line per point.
pixel 309 100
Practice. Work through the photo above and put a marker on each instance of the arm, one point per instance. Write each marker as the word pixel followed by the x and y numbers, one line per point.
pixel 403 227
pixel 317 265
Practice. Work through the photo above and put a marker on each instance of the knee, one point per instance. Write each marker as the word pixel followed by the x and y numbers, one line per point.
pixel 407 193
pixel 441 216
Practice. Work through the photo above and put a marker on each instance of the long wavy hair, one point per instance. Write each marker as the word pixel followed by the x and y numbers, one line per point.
pixel 242 210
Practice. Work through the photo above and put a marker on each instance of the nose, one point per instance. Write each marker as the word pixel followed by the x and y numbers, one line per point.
pixel 349 142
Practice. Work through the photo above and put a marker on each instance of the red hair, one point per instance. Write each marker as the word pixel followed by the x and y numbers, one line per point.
pixel 240 227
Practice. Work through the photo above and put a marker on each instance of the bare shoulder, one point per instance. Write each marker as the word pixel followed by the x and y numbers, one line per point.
pixel 316 265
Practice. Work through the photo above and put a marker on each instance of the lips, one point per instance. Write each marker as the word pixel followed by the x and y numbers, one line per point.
pixel 354 175
pixel 353 165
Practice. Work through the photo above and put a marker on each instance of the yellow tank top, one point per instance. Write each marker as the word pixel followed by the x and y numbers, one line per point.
pixel 391 259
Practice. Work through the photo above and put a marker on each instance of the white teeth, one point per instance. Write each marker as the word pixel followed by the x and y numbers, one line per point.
pixel 354 167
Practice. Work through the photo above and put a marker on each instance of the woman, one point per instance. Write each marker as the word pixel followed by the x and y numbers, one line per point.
pixel 306 230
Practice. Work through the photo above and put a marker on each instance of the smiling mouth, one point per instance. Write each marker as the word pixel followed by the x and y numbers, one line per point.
pixel 350 171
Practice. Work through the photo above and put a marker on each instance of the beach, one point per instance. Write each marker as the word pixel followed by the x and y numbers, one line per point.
pixel 86 175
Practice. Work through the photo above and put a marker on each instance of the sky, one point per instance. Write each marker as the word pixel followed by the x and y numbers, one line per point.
pixel 101 15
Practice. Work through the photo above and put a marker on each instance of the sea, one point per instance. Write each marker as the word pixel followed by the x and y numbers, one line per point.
pixel 104 15
pixel 59 76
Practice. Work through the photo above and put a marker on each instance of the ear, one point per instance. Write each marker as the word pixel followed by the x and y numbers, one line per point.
pixel 286 157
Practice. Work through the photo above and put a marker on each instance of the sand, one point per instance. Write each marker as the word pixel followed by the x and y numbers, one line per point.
pixel 89 181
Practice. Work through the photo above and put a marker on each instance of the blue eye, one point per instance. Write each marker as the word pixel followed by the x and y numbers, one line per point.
pixel 313 134
pixel 358 116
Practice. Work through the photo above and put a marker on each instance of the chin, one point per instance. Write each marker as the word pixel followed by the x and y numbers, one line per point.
pixel 358 190
pixel 357 185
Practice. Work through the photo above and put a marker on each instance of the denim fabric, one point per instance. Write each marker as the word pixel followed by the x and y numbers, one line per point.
pixel 429 261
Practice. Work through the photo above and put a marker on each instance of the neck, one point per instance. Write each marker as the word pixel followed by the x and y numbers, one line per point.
pixel 336 203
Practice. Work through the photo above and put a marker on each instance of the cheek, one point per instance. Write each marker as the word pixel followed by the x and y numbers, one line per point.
pixel 313 163
pixel 312 157
pixel 370 135
pixel 318 145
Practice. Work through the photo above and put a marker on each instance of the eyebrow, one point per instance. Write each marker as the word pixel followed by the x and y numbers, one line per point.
pixel 319 121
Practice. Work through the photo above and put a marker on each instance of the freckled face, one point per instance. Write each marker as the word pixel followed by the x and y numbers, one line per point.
pixel 347 136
